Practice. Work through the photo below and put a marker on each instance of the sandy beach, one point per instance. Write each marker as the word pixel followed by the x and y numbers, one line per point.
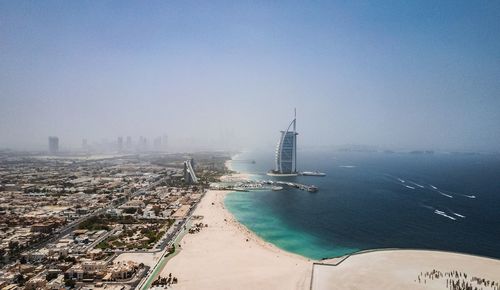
pixel 226 255
pixel 400 269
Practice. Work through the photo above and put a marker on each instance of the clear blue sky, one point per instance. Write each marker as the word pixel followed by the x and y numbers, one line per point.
pixel 402 74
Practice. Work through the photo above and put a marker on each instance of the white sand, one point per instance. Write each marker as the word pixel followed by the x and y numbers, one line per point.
pixel 148 259
pixel 219 257
pixel 398 269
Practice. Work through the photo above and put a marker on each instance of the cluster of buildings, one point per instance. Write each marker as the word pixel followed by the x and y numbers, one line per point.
pixel 40 197
pixel 120 144
pixel 65 221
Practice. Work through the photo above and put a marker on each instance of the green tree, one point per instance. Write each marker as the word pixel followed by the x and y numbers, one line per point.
pixel 69 283
pixel 19 279
pixel 51 276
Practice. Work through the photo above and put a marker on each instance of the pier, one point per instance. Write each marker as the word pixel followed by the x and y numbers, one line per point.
pixel 310 188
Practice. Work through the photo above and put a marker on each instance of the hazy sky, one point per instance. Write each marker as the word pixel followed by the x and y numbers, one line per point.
pixel 421 74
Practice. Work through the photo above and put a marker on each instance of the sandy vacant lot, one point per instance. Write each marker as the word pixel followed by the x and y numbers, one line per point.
pixel 400 269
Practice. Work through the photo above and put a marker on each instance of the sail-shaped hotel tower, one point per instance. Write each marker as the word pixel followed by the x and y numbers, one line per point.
pixel 286 151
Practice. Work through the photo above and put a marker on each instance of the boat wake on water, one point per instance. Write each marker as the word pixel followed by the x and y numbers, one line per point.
pixel 454 193
pixel 427 206
pixel 442 213
pixel 448 213
pixel 419 185
pixel 444 194
pixel 406 183
pixel 459 215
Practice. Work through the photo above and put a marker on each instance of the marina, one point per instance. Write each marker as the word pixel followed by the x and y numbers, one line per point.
pixel 269 185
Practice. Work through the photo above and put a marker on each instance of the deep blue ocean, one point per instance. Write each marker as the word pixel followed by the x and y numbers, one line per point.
pixel 376 200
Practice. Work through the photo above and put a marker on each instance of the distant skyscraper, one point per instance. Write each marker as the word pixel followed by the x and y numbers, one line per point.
pixel 157 144
pixel 128 143
pixel 119 143
pixel 53 145
pixel 286 151
pixel 164 141
pixel 143 144
pixel 84 144
pixel 189 174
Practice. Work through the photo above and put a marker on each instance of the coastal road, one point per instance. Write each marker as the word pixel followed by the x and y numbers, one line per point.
pixel 158 267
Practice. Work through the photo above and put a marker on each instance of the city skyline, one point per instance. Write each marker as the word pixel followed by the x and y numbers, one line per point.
pixel 397 75
pixel 120 144
pixel 150 145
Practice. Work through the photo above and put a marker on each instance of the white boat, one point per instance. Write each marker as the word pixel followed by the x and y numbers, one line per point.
pixel 312 188
pixel 312 173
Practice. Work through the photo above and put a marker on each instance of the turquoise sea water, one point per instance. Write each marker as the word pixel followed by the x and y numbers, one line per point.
pixel 246 206
pixel 377 200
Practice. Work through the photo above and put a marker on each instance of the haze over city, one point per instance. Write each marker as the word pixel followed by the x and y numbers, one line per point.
pixel 227 75
pixel 296 145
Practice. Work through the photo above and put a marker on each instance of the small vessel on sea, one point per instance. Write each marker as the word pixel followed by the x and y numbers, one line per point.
pixel 312 188
pixel 277 188
pixel 312 173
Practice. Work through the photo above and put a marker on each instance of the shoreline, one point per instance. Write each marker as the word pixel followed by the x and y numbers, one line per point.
pixel 248 176
pixel 203 263
pixel 228 255
pixel 336 261
pixel 256 237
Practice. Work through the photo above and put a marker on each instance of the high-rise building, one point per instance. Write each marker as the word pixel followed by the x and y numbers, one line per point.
pixel 164 141
pixel 53 144
pixel 128 143
pixel 85 145
pixel 286 151
pixel 143 144
pixel 189 174
pixel 119 143
pixel 157 144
